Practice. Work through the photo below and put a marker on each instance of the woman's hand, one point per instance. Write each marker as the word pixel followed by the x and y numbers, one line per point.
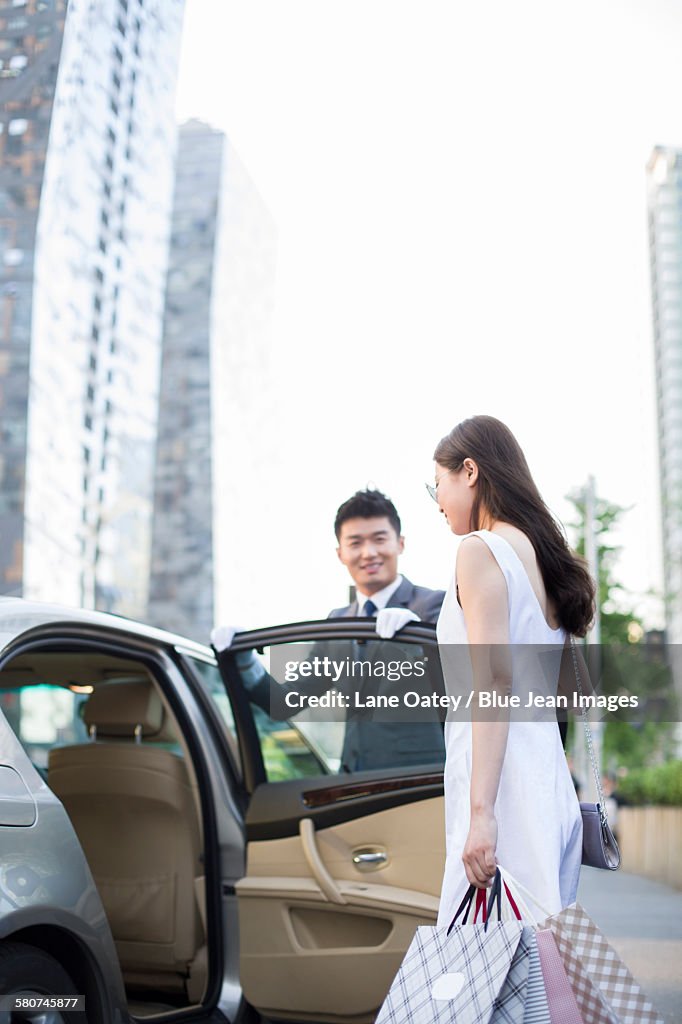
pixel 479 849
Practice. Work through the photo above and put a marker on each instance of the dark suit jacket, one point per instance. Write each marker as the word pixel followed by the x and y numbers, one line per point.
pixel 423 602
pixel 370 743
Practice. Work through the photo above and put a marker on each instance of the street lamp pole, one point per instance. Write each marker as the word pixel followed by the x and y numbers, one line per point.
pixel 594 636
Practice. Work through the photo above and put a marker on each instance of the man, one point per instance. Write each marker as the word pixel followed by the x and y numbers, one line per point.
pixel 368 532
pixel 370 542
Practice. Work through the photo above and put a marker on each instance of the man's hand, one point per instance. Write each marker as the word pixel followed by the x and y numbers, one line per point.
pixel 390 620
pixel 222 637
pixel 251 670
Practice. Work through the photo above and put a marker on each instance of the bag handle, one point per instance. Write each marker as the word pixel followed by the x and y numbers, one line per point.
pixel 517 901
pixel 588 736
pixel 465 906
pixel 494 900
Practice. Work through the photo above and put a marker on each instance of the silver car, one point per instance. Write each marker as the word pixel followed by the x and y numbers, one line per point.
pixel 167 850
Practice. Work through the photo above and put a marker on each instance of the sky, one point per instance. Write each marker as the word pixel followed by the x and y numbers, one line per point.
pixel 460 199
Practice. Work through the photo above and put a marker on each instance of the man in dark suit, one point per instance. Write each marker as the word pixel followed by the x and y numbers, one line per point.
pixel 370 542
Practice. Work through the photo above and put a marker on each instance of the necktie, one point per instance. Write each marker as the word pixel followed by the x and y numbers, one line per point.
pixel 368 609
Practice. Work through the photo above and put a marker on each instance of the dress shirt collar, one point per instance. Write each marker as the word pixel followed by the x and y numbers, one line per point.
pixel 382 597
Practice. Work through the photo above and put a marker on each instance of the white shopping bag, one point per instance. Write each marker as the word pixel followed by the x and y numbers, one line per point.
pixel 455 977
pixel 458 974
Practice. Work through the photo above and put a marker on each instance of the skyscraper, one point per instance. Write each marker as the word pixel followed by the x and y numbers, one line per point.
pixel 30 48
pixel 214 383
pixel 86 171
pixel 664 185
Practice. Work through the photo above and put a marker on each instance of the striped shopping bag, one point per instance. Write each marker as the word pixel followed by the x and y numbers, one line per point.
pixel 523 998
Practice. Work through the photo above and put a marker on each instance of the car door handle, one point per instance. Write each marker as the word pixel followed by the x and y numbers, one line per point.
pixel 317 866
pixel 369 859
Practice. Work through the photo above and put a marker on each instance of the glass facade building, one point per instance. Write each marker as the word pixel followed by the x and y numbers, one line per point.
pixel 30 48
pixel 214 403
pixel 87 146
pixel 181 587
pixel 664 184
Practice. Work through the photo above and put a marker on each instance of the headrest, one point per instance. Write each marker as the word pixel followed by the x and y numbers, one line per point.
pixel 117 708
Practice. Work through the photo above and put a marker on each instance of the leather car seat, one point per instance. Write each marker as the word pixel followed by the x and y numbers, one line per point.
pixel 134 811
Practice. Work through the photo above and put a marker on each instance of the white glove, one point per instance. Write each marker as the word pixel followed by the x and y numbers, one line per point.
pixel 250 668
pixel 222 637
pixel 390 620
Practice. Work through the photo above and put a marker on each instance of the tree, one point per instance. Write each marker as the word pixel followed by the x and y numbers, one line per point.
pixel 630 662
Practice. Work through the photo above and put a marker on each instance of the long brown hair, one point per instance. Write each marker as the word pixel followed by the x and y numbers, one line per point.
pixel 507 492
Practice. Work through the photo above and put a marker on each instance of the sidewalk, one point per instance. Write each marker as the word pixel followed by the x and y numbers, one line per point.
pixel 643 922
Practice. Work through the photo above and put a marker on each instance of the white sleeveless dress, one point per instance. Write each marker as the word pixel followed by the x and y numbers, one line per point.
pixel 537 810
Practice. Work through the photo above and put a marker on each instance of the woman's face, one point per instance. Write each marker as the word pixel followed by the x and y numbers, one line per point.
pixel 455 491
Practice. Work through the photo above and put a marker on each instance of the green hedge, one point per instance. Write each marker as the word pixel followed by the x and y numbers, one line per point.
pixel 659 785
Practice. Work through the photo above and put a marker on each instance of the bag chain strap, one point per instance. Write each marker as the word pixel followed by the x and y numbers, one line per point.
pixel 588 737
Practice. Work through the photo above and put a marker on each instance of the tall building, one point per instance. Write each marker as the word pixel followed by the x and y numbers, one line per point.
pixel 30 48
pixel 213 412
pixel 87 143
pixel 664 186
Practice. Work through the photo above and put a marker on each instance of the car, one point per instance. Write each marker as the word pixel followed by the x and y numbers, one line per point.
pixel 167 850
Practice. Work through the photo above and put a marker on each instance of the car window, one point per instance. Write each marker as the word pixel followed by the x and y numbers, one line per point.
pixel 44 696
pixel 209 676
pixel 286 749
pixel 44 716
pixel 287 754
pixel 342 706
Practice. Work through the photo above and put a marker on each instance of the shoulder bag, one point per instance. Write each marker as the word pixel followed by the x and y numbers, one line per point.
pixel 600 849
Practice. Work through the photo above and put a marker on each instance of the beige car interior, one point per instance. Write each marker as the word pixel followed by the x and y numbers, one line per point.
pixel 135 807
pixel 325 915
pixel 331 912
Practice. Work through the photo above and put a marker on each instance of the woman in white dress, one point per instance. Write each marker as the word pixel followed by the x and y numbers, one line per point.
pixel 517 590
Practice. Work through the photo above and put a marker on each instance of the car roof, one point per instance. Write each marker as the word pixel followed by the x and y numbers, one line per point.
pixel 18 616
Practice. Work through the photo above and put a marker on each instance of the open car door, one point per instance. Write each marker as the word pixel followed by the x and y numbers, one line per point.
pixel 345 819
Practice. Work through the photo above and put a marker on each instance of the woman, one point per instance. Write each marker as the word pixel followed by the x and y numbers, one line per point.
pixel 508 791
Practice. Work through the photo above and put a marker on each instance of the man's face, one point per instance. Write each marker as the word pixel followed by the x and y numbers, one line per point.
pixel 369 548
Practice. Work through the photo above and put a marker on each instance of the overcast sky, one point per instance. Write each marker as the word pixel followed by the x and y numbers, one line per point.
pixel 459 191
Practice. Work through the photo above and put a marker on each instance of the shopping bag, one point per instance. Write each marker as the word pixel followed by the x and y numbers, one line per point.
pixel 563 1008
pixel 537 1008
pixel 606 972
pixel 509 1007
pixel 522 999
pixel 543 1002
pixel 453 975
pixel 604 989
pixel 593 1006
